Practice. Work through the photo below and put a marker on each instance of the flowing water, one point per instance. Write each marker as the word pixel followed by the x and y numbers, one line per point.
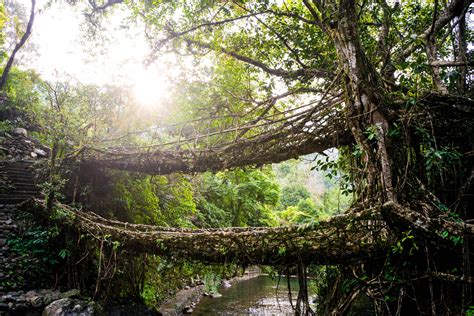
pixel 255 296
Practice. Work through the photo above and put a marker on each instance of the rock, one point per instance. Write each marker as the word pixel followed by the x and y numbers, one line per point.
pixel 9 298
pixel 3 307
pixel 35 301
pixel 187 287
pixel 226 284
pixel 187 310
pixel 3 242
pixel 40 152
pixel 9 222
pixel 77 308
pixel 69 306
pixel 205 294
pixel 215 295
pixel 49 297
pixel 31 293
pixel 74 293
pixel 33 154
pixel 20 131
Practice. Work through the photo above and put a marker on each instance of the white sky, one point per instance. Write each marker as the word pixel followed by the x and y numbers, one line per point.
pixel 63 51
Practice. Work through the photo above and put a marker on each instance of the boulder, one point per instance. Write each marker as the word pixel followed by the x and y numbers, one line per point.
pixel 70 307
pixel 20 132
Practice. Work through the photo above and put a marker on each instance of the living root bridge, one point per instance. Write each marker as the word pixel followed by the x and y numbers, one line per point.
pixel 355 236
pixel 343 238
pixel 166 161
pixel 313 130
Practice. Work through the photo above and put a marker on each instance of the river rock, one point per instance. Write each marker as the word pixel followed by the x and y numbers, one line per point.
pixel 20 131
pixel 215 295
pixel 70 307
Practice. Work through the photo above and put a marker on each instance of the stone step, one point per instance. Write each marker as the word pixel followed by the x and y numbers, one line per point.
pixel 18 180
pixel 21 192
pixel 18 172
pixel 18 162
pixel 25 186
pixel 24 180
pixel 20 175
pixel 13 200
pixel 15 167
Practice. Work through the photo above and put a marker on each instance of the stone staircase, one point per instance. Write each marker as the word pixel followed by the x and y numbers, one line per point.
pixel 17 184
pixel 20 184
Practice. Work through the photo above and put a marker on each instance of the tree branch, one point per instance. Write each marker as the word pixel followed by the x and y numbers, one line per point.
pixel 203 25
pixel 103 6
pixel 19 45
pixel 455 8
pixel 287 74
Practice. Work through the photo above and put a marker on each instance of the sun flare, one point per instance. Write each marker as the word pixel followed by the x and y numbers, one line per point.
pixel 150 89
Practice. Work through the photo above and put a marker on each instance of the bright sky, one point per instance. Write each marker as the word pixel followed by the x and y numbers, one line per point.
pixel 62 50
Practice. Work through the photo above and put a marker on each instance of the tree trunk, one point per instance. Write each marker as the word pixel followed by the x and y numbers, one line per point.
pixel 364 96
pixel 19 45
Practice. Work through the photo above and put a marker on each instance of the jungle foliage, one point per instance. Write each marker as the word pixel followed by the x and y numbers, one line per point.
pixel 388 83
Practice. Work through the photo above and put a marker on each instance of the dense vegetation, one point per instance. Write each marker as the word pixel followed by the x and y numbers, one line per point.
pixel 267 196
pixel 386 83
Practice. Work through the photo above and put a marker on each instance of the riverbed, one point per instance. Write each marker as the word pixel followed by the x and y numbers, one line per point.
pixel 256 296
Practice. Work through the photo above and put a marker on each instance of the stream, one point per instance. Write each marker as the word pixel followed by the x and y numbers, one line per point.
pixel 255 296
